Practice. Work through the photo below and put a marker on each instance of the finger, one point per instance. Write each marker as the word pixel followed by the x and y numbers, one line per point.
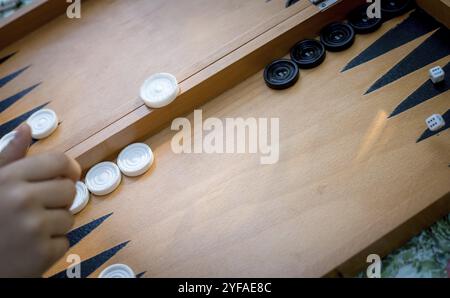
pixel 57 247
pixel 58 222
pixel 17 147
pixel 51 194
pixel 44 167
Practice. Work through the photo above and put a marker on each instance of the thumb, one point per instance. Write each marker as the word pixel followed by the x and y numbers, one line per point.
pixel 17 146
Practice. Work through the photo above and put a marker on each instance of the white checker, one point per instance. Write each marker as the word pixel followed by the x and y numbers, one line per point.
pixel 43 123
pixel 437 74
pixel 160 90
pixel 81 198
pixel 117 271
pixel 4 142
pixel 435 122
pixel 103 178
pixel 135 160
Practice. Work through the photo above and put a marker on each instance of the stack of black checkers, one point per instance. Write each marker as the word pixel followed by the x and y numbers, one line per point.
pixel 335 37
pixel 361 23
pixel 308 53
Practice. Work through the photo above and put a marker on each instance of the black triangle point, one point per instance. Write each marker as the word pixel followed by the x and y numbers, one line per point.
pixel 10 77
pixel 89 266
pixel 291 2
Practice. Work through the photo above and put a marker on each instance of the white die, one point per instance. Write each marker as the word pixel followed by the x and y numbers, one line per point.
pixel 435 122
pixel 437 74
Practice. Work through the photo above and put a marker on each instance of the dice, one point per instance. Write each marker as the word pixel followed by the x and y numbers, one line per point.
pixel 437 74
pixel 435 122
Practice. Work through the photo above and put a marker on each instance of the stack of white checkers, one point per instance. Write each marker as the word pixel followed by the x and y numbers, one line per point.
pixel 81 198
pixel 105 177
pixel 117 271
pixel 158 91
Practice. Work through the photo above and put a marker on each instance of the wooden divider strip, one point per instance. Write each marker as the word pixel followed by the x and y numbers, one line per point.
pixel 28 19
pixel 439 9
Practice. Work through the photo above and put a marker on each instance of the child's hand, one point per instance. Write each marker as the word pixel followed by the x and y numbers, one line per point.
pixel 35 194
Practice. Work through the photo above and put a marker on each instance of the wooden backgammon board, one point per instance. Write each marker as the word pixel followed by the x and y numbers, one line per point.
pixel 358 172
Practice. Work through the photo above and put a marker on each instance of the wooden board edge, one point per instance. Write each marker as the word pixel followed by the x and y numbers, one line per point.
pixel 207 84
pixel 394 239
pixel 439 9
pixel 28 19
